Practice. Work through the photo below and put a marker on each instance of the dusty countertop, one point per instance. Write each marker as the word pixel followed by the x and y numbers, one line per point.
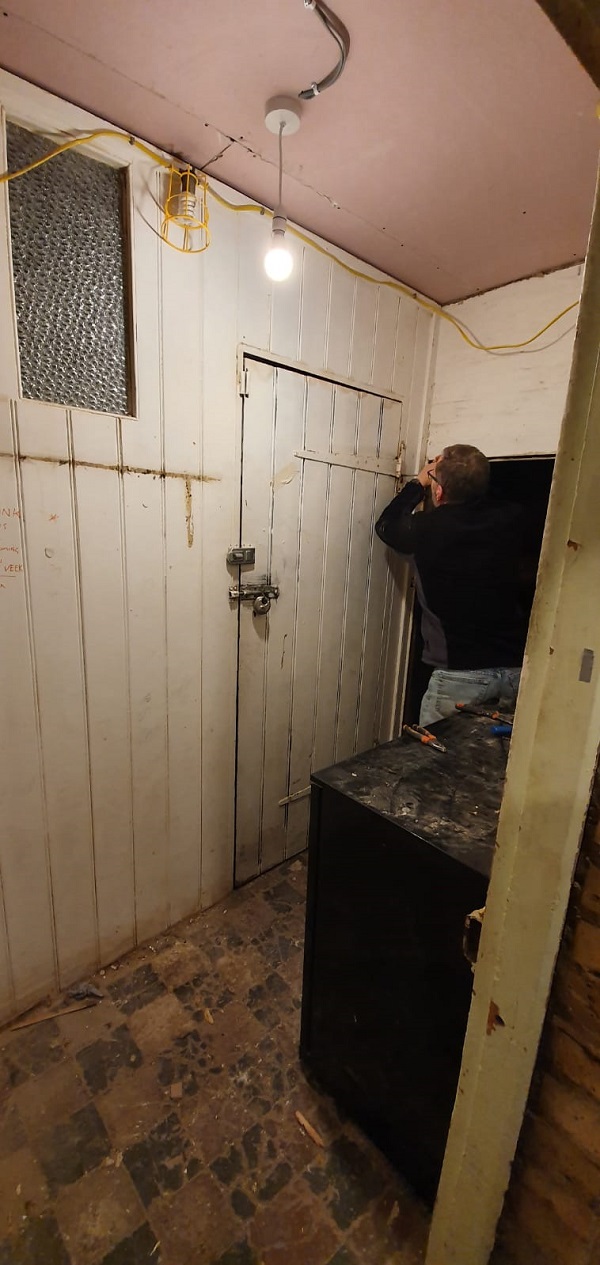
pixel 451 800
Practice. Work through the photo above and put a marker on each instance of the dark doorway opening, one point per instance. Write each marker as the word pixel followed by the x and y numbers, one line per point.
pixel 522 480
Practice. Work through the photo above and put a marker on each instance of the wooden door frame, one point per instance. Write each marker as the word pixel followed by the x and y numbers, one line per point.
pixel 246 352
pixel 553 756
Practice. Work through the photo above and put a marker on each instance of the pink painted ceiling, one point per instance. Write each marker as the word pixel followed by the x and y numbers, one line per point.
pixel 457 152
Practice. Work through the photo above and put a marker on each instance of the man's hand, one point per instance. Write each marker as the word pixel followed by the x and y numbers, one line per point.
pixel 429 469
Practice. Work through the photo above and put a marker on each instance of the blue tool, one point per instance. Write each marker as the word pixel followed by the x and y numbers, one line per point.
pixel 501 731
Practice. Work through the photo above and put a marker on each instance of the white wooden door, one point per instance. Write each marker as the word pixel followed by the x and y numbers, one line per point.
pixel 318 465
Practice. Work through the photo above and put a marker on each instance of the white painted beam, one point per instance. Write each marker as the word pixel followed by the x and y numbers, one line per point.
pixel 553 756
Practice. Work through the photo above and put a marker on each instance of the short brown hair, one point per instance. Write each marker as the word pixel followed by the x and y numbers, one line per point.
pixel 463 473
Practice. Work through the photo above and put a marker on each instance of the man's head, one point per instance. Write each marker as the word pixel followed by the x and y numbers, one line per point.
pixel 461 474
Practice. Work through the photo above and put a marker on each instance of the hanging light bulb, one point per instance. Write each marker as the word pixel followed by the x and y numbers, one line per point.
pixel 279 260
pixel 282 118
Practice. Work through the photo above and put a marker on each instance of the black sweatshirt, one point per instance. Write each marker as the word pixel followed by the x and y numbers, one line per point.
pixel 466 562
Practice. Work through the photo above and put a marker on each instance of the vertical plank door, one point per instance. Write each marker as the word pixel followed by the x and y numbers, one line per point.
pixel 318 465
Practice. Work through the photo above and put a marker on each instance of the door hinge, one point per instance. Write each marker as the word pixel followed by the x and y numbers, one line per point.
pixel 244 383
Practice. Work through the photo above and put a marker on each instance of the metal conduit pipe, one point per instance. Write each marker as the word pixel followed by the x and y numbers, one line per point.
pixel 340 34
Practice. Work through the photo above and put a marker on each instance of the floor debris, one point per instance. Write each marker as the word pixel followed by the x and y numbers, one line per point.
pixel 55 1012
pixel 79 991
pixel 140 1133
pixel 308 1128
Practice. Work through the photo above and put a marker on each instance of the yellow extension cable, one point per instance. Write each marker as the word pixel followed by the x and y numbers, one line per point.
pixel 426 304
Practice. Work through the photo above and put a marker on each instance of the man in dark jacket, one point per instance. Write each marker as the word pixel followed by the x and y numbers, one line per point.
pixel 465 555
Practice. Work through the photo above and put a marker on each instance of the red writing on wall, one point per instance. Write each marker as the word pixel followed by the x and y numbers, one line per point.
pixel 10 567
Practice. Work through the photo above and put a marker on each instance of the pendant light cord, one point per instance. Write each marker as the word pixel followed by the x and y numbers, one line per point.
pixel 279 200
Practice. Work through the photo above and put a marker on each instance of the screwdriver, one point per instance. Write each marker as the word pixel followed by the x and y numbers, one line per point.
pixel 480 711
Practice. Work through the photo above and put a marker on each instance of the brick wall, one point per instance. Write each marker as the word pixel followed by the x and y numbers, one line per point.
pixel 552 1211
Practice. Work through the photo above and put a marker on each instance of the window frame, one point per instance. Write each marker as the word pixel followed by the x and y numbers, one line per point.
pixel 101 150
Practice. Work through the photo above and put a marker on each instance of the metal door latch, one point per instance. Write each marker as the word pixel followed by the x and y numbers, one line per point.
pixel 261 595
pixel 248 592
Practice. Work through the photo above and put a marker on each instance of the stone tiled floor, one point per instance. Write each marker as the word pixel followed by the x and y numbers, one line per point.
pixel 159 1128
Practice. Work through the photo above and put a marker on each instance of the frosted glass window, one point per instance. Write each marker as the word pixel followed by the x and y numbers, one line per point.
pixel 70 277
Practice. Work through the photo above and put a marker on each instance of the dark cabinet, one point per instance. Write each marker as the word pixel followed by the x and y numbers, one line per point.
pixel 401 841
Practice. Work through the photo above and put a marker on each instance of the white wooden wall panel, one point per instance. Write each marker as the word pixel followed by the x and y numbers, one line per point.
pixel 119 641
pixel 43 431
pixel 341 323
pixel 104 626
pixel 364 332
pixel 181 354
pixel 360 596
pixel 419 396
pixel 357 589
pixel 219 528
pixel 509 405
pixel 183 595
pixel 144 545
pixel 286 311
pixel 314 493
pixel 6 426
pixel 284 529
pixel 143 436
pixel 337 539
pixel 316 290
pixel 29 962
pixel 386 338
pixel 51 563
pixel 252 299
pixel 182 345
pixel 259 421
pixel 95 439
pixel 409 316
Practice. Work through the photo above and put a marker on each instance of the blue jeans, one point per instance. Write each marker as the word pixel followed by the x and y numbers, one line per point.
pixel 483 685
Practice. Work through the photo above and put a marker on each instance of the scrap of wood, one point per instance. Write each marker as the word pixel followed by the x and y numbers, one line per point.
pixel 308 1129
pixel 177 1090
pixel 55 1014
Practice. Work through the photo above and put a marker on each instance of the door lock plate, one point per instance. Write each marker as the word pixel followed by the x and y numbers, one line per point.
pixel 242 555
pixel 249 592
